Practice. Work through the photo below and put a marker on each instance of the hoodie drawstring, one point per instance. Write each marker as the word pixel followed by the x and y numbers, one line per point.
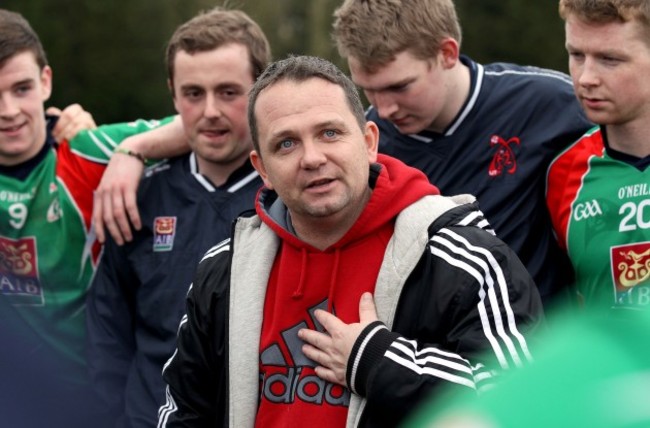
pixel 297 294
pixel 333 279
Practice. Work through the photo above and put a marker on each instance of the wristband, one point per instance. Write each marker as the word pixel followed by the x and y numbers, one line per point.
pixel 131 153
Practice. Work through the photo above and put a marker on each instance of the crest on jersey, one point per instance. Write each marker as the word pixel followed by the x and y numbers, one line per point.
pixel 504 160
pixel 631 274
pixel 19 280
pixel 164 231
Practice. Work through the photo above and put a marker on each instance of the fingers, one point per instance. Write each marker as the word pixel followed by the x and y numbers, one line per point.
pixel 53 111
pixel 98 220
pixel 116 209
pixel 72 120
pixel 324 362
pixel 131 208
pixel 329 321
pixel 104 217
pixel 315 338
pixel 367 309
pixel 329 375
pixel 120 227
pixel 331 350
pixel 322 350
pixel 109 215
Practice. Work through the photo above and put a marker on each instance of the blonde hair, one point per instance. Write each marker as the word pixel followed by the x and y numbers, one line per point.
pixel 374 31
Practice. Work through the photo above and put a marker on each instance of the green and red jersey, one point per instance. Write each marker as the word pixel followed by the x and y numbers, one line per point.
pixel 599 202
pixel 48 252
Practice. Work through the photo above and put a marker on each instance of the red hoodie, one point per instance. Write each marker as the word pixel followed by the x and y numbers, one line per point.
pixel 304 278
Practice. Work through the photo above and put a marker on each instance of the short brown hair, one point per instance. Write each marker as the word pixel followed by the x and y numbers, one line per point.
pixel 374 31
pixel 17 36
pixel 300 69
pixel 606 11
pixel 218 27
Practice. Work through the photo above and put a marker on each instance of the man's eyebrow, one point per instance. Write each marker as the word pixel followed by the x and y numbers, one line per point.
pixel 23 82
pixel 388 87
pixel 330 123
pixel 220 86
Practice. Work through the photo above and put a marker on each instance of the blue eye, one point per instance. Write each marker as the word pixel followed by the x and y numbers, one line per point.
pixel 330 133
pixel 286 144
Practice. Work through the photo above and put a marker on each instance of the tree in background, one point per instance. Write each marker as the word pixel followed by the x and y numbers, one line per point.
pixel 109 55
pixel 520 31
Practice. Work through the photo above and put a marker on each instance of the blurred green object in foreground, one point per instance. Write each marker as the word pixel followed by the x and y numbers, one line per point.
pixel 591 370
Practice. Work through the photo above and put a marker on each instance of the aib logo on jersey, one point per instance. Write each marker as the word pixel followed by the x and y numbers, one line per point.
pixel 18 271
pixel 288 375
pixel 504 159
pixel 164 231
pixel 631 272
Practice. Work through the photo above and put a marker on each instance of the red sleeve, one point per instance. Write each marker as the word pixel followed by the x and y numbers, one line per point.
pixel 81 177
pixel 564 181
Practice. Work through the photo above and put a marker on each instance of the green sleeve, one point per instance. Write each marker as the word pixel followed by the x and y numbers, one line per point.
pixel 98 144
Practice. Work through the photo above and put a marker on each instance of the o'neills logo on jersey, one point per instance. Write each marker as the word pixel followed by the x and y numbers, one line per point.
pixel 631 272
pixel 19 271
pixel 504 159
pixel 289 375
pixel 164 231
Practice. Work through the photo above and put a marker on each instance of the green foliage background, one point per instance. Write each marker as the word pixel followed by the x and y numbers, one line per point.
pixel 109 55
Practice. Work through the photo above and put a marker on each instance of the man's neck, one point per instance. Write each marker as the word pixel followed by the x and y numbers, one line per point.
pixel 323 232
pixel 457 93
pixel 21 168
pixel 632 138
pixel 218 173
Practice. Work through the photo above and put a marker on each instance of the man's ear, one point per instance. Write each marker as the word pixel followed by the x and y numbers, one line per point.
pixel 371 137
pixel 170 85
pixel 46 82
pixel 449 52
pixel 258 164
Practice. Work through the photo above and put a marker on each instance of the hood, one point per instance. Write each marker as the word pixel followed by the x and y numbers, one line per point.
pixel 394 187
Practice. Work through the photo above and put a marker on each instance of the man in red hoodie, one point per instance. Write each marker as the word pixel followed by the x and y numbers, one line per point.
pixel 354 292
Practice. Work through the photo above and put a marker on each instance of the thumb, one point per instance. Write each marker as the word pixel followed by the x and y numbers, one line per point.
pixel 53 111
pixel 367 310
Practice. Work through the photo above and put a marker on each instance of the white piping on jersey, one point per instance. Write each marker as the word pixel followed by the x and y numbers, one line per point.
pixel 100 144
pixel 108 151
pixel 470 103
pixel 418 137
pixel 194 169
pixel 480 72
pixel 543 73
pixel 244 181
pixel 468 108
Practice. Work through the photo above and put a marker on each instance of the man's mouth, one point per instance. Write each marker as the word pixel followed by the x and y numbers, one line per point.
pixel 319 183
pixel 214 132
pixel 11 128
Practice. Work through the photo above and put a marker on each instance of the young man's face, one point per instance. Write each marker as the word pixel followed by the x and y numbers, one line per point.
pixel 409 92
pixel 610 68
pixel 24 87
pixel 313 152
pixel 211 95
